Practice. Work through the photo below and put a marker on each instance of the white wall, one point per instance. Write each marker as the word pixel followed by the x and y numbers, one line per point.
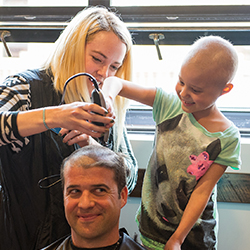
pixel 234 218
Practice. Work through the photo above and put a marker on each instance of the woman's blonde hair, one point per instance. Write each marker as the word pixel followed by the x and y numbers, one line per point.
pixel 68 56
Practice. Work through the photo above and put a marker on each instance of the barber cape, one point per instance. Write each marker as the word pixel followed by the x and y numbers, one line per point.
pixel 127 243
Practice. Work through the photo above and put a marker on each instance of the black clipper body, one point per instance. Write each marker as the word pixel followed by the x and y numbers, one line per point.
pixel 98 98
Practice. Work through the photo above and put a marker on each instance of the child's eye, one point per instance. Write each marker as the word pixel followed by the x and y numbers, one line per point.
pixel 181 83
pixel 196 91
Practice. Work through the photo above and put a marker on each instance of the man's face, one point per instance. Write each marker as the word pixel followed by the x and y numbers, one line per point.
pixel 92 205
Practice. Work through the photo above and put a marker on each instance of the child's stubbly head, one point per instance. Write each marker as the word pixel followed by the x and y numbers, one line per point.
pixel 206 73
pixel 215 55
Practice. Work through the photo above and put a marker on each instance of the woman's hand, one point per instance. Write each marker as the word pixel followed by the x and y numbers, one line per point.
pixel 110 106
pixel 82 139
pixel 80 116
pixel 74 136
pixel 74 116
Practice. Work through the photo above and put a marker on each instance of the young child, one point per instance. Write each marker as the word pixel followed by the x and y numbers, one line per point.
pixel 194 144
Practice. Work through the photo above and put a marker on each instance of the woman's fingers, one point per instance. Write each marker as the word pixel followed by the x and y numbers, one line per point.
pixel 75 136
pixel 80 116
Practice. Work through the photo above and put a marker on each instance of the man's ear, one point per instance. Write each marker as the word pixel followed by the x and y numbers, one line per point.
pixel 124 196
pixel 227 88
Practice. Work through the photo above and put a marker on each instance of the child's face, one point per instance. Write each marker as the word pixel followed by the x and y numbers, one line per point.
pixel 197 89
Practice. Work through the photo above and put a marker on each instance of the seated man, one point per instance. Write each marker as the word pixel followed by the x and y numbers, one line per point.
pixel 94 189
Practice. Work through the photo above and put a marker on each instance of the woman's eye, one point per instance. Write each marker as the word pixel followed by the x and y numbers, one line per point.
pixel 114 68
pixel 96 59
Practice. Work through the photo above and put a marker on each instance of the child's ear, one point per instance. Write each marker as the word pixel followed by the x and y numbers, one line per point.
pixel 227 88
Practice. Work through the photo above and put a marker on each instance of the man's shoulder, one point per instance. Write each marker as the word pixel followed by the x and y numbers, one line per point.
pixel 128 243
pixel 59 244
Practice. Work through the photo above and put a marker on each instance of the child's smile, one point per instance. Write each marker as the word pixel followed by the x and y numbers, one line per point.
pixel 197 91
pixel 187 103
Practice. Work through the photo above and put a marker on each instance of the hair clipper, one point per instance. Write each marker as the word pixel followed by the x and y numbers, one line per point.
pixel 98 98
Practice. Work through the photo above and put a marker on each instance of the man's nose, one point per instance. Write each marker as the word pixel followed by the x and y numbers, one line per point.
pixel 86 200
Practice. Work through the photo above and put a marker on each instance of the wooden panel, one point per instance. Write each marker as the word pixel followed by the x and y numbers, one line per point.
pixel 137 190
pixel 232 187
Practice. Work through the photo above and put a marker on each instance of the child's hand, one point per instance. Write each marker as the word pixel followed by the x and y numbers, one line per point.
pixel 172 245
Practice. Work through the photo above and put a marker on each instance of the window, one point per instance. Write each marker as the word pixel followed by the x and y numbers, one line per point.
pixel 176 2
pixel 44 3
pixel 34 28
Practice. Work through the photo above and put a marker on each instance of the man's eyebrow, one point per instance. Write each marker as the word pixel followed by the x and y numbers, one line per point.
pixel 72 186
pixel 93 186
pixel 101 185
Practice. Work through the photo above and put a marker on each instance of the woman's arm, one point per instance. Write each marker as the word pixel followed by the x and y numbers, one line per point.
pixel 73 116
pixel 196 205
pixel 17 121
pixel 114 86
pixel 14 97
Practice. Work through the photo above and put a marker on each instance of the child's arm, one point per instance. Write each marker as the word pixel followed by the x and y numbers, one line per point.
pixel 196 205
pixel 114 86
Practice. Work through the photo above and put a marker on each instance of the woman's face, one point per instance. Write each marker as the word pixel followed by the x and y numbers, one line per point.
pixel 104 56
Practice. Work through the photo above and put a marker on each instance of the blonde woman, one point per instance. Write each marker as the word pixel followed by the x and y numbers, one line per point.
pixel 97 42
